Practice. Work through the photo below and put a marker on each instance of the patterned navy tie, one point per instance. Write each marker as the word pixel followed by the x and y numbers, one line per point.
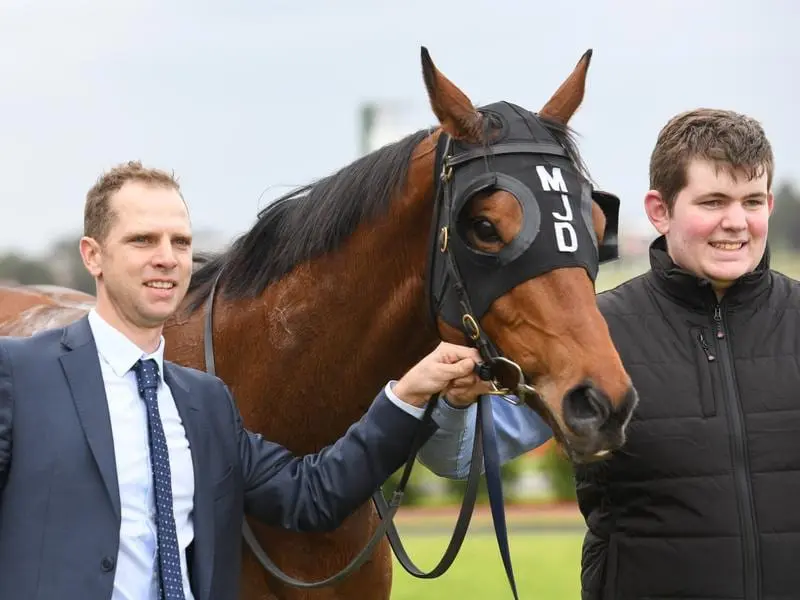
pixel 171 582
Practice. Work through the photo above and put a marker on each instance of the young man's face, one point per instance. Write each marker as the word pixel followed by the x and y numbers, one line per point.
pixel 717 228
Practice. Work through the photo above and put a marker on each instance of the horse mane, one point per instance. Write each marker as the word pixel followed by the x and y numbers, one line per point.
pixel 306 223
pixel 316 219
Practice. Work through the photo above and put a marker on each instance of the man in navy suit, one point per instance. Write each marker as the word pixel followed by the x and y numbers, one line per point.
pixel 124 476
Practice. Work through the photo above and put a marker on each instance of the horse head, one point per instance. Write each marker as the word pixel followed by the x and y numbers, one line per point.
pixel 518 235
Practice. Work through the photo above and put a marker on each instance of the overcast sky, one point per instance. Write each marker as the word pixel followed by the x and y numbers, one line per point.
pixel 243 99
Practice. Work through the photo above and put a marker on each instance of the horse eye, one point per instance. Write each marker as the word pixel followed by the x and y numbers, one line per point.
pixel 484 230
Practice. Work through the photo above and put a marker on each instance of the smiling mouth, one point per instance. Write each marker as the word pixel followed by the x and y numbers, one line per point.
pixel 729 246
pixel 161 285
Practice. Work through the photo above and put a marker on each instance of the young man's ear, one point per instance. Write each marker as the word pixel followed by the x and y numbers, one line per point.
pixel 657 211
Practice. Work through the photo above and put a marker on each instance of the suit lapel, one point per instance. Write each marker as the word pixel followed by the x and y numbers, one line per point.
pixel 81 366
pixel 191 415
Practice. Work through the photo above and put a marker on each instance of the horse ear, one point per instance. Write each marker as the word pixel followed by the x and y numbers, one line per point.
pixel 569 96
pixel 451 106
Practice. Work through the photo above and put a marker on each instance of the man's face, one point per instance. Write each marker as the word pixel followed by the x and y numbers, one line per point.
pixel 718 225
pixel 144 264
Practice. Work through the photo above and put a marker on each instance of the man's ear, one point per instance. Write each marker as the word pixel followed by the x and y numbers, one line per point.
pixel 92 256
pixel 657 211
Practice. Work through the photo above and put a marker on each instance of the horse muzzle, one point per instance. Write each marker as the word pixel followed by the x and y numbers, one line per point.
pixel 595 426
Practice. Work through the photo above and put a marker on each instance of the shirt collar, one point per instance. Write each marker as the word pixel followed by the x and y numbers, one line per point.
pixel 118 351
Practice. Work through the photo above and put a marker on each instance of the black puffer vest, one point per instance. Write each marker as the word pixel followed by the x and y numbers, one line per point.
pixel 704 499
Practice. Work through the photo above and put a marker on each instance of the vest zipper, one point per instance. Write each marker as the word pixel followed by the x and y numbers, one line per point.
pixel 741 464
pixel 706 348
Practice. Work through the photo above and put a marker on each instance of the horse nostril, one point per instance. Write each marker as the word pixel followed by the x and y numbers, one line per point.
pixel 586 409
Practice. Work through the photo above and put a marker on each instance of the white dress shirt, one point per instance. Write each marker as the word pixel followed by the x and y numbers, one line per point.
pixel 137 569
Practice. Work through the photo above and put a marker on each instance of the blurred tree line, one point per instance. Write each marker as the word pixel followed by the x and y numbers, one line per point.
pixel 61 265
pixel 784 225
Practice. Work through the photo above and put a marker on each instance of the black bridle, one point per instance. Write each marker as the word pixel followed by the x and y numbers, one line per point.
pixel 452 280
pixel 461 281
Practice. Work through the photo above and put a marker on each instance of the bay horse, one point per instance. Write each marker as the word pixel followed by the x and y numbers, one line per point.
pixel 328 296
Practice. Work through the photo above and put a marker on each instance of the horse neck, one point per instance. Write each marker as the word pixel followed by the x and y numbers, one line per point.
pixel 329 335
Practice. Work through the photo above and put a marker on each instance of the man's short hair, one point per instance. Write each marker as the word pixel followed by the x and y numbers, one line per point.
pixel 731 141
pixel 98 215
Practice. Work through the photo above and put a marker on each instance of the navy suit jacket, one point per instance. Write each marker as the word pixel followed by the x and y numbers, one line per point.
pixel 59 497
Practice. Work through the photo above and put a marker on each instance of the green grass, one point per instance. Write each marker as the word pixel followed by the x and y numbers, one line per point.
pixel 546 567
